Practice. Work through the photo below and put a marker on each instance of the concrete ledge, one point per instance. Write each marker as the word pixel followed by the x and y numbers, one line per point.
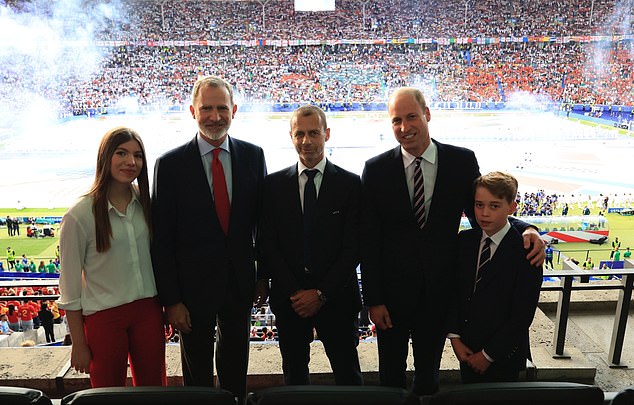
pixel 38 367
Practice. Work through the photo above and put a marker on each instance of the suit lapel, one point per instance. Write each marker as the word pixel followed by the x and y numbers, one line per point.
pixel 395 172
pixel 440 183
pixel 496 268
pixel 327 190
pixel 291 192
pixel 236 173
pixel 193 164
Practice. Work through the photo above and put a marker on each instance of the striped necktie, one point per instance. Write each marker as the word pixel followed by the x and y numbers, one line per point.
pixel 485 257
pixel 419 193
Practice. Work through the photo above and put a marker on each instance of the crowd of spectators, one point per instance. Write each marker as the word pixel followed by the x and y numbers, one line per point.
pixel 159 78
pixel 536 204
pixel 141 75
pixel 366 19
pixel 539 203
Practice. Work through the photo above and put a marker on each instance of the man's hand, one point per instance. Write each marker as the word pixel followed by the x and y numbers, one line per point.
pixel 462 351
pixel 306 303
pixel 178 317
pixel 478 363
pixel 380 316
pixel 261 293
pixel 534 242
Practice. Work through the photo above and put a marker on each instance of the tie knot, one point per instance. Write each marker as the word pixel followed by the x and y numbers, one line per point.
pixel 487 242
pixel 310 173
pixel 418 161
pixel 216 152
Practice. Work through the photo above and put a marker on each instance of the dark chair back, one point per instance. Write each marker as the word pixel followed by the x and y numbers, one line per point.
pixel 624 397
pixel 23 396
pixel 520 393
pixel 150 396
pixel 331 395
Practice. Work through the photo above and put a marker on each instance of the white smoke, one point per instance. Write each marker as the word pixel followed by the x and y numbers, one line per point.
pixel 44 46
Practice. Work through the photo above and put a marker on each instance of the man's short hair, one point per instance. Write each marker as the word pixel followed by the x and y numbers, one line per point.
pixel 211 81
pixel 307 111
pixel 414 92
pixel 502 185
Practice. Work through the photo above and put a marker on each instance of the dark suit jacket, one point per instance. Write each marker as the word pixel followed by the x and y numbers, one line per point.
pixel 497 316
pixel 193 260
pixel 401 264
pixel 335 230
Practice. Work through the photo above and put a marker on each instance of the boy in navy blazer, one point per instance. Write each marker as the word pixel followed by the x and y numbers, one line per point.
pixel 498 289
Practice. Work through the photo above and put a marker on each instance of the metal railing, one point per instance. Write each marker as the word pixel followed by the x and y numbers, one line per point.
pixel 568 275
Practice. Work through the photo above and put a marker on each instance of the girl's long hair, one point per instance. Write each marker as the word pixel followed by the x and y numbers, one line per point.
pixel 99 191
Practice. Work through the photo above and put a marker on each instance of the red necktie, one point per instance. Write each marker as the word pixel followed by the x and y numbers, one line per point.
pixel 221 196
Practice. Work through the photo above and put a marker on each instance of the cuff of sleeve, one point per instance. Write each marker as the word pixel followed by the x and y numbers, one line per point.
pixel 486 356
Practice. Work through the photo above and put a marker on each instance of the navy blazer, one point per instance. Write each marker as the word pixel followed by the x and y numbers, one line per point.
pixel 496 316
pixel 335 232
pixel 401 264
pixel 193 259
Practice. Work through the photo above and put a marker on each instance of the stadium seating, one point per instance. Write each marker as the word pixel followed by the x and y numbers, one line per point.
pixel 150 396
pixel 520 393
pixel 329 395
pixel 23 396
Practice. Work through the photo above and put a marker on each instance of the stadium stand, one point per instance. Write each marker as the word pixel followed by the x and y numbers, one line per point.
pixel 565 52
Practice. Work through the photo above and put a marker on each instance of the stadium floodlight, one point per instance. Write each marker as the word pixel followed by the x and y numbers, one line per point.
pixel 314 5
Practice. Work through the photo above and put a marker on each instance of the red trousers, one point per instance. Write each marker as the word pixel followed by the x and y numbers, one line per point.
pixel 131 332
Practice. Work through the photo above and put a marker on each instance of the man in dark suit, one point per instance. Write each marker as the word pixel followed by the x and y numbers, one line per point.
pixel 205 201
pixel 413 197
pixel 309 249
pixel 497 289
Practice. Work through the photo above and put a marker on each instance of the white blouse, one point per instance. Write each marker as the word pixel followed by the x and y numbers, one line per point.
pixel 91 281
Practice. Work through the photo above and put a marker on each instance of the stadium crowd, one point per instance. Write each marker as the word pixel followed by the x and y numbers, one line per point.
pixel 148 75
pixel 158 77
pixel 369 19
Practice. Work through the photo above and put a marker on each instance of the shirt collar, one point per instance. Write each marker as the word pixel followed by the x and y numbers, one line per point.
pixel 321 166
pixel 134 200
pixel 205 147
pixel 429 155
pixel 499 235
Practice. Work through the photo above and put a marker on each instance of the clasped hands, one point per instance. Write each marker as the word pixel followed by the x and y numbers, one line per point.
pixel 477 361
pixel 306 303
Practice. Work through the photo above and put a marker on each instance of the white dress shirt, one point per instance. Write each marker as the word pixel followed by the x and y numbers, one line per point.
pixel 91 281
pixel 302 178
pixel 206 155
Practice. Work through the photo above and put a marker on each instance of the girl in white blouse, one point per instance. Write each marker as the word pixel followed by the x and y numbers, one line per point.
pixel 106 279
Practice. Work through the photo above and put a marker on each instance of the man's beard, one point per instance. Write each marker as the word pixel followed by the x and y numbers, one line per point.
pixel 214 135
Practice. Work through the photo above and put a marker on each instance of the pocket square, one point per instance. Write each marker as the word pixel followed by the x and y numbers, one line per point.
pixel 335 212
